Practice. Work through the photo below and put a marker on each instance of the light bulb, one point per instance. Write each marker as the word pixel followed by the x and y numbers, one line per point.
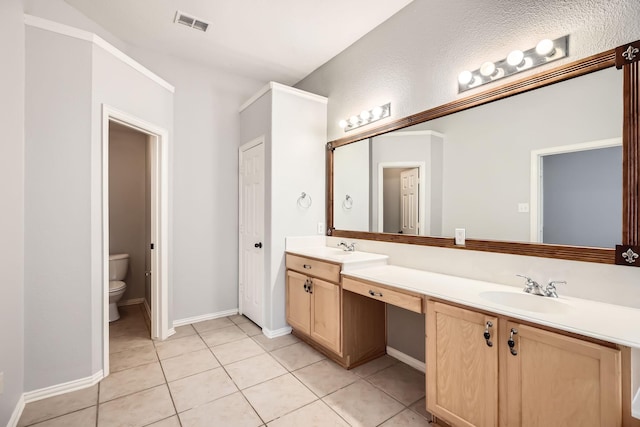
pixel 377 112
pixel 365 115
pixel 465 77
pixel 354 120
pixel 545 48
pixel 343 124
pixel 487 69
pixel 515 58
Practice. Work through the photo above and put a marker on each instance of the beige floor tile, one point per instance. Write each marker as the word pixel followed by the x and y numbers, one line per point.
pixel 133 326
pixel 406 418
pixel 212 324
pixel 297 356
pixel 132 358
pixel 167 349
pixel 238 319
pixel 279 396
pixel 222 335
pixel 325 377
pixel 83 418
pixel 232 410
pixel 271 344
pixel 250 328
pixel 201 388
pixel 189 364
pixel 237 350
pixel 131 381
pixel 51 407
pixel 361 404
pixel 374 366
pixel 317 414
pixel 254 370
pixel 420 407
pixel 401 382
pixel 139 409
pixel 183 331
pixel 130 310
pixel 129 341
pixel 167 422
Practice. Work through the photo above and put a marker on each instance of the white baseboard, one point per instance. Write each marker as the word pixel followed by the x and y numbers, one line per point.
pixel 132 301
pixel 54 390
pixel 276 333
pixel 195 319
pixel 17 413
pixel 405 358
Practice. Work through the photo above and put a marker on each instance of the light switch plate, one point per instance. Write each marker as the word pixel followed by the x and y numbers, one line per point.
pixel 523 207
pixel 460 236
pixel 321 228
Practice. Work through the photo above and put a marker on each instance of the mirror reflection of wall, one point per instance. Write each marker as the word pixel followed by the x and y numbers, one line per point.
pixel 351 186
pixel 485 170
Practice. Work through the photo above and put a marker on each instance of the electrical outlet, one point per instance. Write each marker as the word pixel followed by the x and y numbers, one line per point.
pixel 460 236
pixel 1 382
pixel 321 228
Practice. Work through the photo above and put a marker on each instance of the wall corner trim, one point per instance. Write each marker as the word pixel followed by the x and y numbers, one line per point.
pixel 203 317
pixel 276 332
pixel 283 88
pixel 405 358
pixel 54 390
pixel 66 30
pixel 17 413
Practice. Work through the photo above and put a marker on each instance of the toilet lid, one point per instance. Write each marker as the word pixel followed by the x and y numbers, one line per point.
pixel 116 285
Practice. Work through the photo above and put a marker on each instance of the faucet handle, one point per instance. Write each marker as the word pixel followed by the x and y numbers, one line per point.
pixel 529 284
pixel 550 290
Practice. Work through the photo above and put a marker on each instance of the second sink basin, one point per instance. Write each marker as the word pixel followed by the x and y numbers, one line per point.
pixel 525 301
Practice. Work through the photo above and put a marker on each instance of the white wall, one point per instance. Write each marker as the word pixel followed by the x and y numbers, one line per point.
pixel 413 60
pixel 12 196
pixel 351 177
pixel 205 183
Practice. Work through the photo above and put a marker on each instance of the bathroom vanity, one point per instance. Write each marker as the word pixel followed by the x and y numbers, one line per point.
pixel 495 355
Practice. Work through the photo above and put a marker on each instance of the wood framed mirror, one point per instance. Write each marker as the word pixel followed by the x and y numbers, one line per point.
pixel 624 57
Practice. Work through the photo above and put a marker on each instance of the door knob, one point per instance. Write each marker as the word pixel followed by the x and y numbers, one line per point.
pixel 258 245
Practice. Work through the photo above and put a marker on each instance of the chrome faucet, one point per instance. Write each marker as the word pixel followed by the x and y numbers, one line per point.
pixel 347 247
pixel 533 287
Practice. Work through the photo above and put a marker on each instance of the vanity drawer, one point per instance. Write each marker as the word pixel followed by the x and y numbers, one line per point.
pixel 410 301
pixel 314 267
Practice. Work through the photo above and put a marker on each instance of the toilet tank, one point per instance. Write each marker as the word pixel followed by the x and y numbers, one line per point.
pixel 118 264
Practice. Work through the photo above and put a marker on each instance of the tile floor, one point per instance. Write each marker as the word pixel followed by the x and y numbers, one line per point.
pixel 224 372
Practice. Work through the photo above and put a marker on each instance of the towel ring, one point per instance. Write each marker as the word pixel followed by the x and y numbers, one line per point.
pixel 347 203
pixel 304 201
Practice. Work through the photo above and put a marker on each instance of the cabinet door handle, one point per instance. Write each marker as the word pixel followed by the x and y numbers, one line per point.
pixel 375 294
pixel 307 266
pixel 307 285
pixel 487 334
pixel 511 343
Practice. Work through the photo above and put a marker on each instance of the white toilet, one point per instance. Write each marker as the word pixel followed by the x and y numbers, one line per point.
pixel 118 264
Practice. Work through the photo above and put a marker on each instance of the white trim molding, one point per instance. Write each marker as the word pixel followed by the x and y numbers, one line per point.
pixel 203 317
pixel 405 358
pixel 55 390
pixel 56 27
pixel 132 301
pixel 277 332
pixel 17 413
pixel 283 88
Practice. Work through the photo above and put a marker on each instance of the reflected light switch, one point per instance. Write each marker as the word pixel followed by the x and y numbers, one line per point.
pixel 460 236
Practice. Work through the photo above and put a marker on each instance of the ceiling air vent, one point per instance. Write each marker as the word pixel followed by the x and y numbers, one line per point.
pixel 190 21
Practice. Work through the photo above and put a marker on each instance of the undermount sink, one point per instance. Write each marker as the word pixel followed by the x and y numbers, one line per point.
pixel 524 301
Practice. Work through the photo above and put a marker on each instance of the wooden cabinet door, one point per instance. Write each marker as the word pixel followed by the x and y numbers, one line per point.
pixel 325 314
pixel 462 369
pixel 555 380
pixel 298 302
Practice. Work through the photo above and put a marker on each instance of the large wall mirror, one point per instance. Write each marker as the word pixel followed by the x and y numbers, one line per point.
pixel 543 166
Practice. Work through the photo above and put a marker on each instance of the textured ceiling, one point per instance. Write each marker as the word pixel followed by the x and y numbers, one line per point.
pixel 280 40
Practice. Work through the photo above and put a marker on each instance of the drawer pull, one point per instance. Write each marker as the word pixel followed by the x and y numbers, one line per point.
pixel 375 294
pixel 487 334
pixel 307 266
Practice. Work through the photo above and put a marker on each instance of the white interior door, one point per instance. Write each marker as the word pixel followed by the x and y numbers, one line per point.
pixel 409 201
pixel 251 226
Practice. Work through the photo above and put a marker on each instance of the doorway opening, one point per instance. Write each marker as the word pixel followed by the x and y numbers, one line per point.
pixel 402 198
pixel 135 219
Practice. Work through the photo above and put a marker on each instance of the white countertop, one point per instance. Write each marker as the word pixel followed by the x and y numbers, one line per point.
pixel 350 260
pixel 608 322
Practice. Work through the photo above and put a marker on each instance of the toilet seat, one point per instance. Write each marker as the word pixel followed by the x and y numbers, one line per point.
pixel 116 285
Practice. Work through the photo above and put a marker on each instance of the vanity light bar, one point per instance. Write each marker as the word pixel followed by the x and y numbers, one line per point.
pixel 366 117
pixel 545 51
